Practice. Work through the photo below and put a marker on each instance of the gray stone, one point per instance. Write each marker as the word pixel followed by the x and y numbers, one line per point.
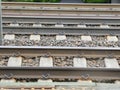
pixel 15 62
pixel 46 62
pixel 111 63
pixel 79 62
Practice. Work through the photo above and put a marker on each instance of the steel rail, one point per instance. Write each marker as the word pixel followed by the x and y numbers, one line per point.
pixel 61 51
pixel 61 30
pixel 64 9
pixel 75 5
pixel 58 73
pixel 59 9
pixel 59 12
pixel 65 15
pixel 59 19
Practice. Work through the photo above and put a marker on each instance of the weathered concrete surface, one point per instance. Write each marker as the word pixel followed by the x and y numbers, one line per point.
pixel 104 86
pixel 9 37
pixel 37 25
pixel 15 62
pixel 60 37
pixel 81 26
pixel 35 37
pixel 86 38
pixel 79 62
pixel 117 82
pixel 111 63
pixel 46 62
pixel 14 25
pixel 112 38
pixel 104 26
pixel 48 80
pixel 57 25
pixel 87 81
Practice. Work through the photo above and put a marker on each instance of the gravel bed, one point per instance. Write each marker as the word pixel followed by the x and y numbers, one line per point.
pixel 4 61
pixel 95 62
pixel 71 41
pixel 30 61
pixel 101 41
pixel 9 42
pixel 21 40
pixel 47 40
pixel 63 61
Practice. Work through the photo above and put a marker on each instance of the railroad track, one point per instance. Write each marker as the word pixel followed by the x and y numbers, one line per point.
pixel 46 77
pixel 60 9
pixel 59 49
pixel 71 35
pixel 104 68
pixel 61 34
pixel 67 28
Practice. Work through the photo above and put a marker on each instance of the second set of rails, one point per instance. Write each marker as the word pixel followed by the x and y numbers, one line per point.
pixel 61 9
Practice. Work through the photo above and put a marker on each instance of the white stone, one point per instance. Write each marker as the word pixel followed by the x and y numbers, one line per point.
pixel 85 81
pixel 37 25
pixel 79 62
pixel 86 38
pixel 15 62
pixel 48 80
pixel 35 37
pixel 111 63
pixel 112 38
pixel 15 25
pixel 117 82
pixel 8 81
pixel 104 26
pixel 60 37
pixel 82 26
pixel 59 25
pixel 9 37
pixel 46 62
